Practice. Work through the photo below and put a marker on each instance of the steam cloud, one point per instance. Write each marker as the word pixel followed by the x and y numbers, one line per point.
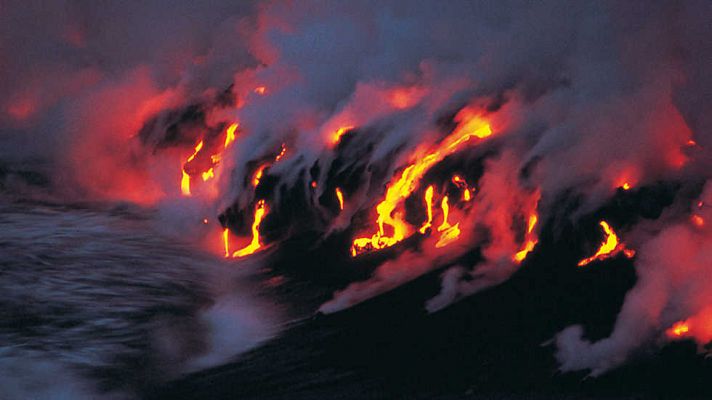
pixel 582 97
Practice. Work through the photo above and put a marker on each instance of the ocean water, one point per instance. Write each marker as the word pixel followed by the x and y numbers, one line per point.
pixel 95 302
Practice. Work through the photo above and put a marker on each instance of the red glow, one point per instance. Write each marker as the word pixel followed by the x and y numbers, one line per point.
pixel 402 98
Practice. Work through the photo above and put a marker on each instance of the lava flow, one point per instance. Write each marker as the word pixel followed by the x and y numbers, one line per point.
pixel 449 233
pixel 340 197
pixel 678 330
pixel 462 184
pixel 610 247
pixel 471 125
pixel 255 243
pixel 207 171
pixel 429 209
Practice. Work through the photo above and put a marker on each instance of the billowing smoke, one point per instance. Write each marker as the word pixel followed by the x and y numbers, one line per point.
pixel 445 132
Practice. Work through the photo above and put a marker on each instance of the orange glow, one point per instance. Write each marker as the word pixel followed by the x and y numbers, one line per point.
pixel 226 244
pixel 340 197
pixel 450 233
pixel 469 126
pixel 678 329
pixel 698 221
pixel 610 247
pixel 428 209
pixel 260 211
pixel 230 134
pixel 402 98
pixel 626 186
pixel 336 137
pixel 261 90
pixel 691 143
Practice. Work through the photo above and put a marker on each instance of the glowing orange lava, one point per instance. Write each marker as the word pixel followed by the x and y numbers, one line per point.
pixel 469 126
pixel 340 197
pixel 261 90
pixel 185 184
pixel 336 137
pixel 185 180
pixel 429 209
pixel 462 184
pixel 226 243
pixel 258 174
pixel 209 174
pixel 281 154
pixel 230 134
pixel 449 233
pixel 530 240
pixel 260 211
pixel 610 247
pixel 678 329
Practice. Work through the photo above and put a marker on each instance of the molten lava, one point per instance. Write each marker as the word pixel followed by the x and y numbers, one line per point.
pixel 208 171
pixel 258 174
pixel 260 211
pixel 469 125
pixel 185 180
pixel 610 247
pixel 449 233
pixel 429 209
pixel 226 243
pixel 530 240
pixel 678 330
pixel 340 197
pixel 185 184
pixel 230 134
pixel 462 185
pixel 281 154
pixel 336 137
pixel 209 174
